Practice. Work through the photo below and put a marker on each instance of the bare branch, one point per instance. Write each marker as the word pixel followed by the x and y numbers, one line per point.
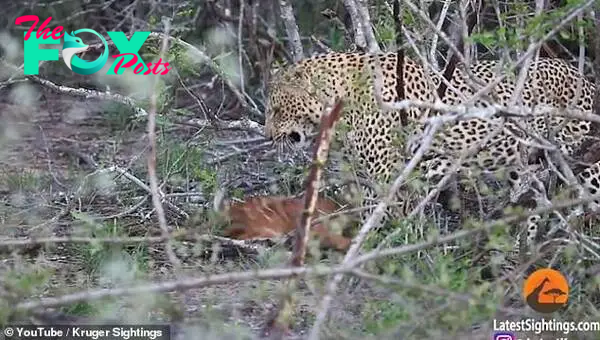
pixel 156 199
pixel 287 14
pixel 400 60
pixel 434 40
pixel 364 37
pixel 240 124
pixel 371 222
pixel 179 285
pixel 323 140
pixel 359 35
pixel 461 46
pixel 267 274
pixel 248 246
pixel 279 323
pixel 363 12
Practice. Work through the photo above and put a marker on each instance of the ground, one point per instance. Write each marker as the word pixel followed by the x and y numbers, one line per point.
pixel 48 151
pixel 54 181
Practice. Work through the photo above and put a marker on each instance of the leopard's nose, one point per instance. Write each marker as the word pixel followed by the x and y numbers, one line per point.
pixel 295 137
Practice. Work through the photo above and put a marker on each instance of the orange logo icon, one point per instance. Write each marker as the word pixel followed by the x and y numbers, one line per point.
pixel 546 290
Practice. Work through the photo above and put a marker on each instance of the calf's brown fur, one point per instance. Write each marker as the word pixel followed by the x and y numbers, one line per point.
pixel 272 216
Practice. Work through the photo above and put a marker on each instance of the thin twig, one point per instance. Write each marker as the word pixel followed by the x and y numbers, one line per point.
pixel 156 197
pixel 8 243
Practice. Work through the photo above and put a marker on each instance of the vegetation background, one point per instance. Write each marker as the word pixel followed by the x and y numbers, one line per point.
pixel 107 183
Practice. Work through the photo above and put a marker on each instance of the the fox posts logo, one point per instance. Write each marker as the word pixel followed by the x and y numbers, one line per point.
pixel 72 45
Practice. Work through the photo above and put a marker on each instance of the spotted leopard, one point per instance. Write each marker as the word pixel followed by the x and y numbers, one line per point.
pixel 298 95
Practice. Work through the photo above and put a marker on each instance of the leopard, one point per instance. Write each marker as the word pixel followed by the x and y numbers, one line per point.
pixel 300 93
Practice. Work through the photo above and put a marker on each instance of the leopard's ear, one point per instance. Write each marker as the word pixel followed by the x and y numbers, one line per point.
pixel 277 66
pixel 275 69
pixel 287 75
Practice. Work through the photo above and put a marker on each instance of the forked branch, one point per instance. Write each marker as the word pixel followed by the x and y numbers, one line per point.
pixel 278 323
pixel 312 182
pixel 455 58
